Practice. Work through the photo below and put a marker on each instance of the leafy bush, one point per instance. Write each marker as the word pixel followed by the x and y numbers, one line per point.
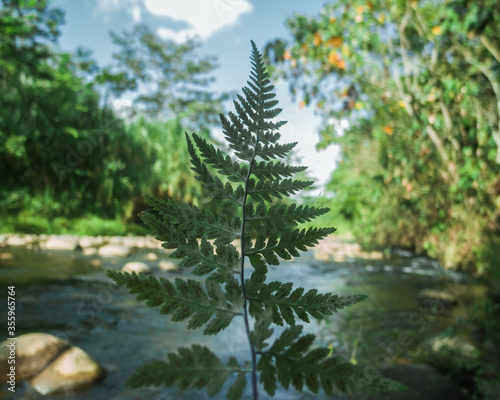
pixel 416 89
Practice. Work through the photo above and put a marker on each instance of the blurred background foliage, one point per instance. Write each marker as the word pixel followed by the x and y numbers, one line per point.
pixel 65 153
pixel 410 90
pixel 416 85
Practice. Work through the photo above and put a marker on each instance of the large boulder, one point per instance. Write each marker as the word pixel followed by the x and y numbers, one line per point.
pixel 72 370
pixel 33 352
pixel 137 267
pixel 423 382
pixel 61 242
pixel 113 250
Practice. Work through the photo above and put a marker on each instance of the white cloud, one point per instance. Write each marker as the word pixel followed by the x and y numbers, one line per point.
pixel 203 17
pixel 132 6
pixel 136 14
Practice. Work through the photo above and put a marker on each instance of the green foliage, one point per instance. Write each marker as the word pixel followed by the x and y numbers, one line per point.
pixel 26 222
pixel 63 154
pixel 418 84
pixel 172 79
pixel 195 367
pixel 264 233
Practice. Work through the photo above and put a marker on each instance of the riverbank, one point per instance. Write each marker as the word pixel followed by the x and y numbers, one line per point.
pixel 332 248
pixel 91 225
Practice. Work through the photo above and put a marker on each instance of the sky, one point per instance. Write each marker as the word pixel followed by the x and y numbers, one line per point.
pixel 225 28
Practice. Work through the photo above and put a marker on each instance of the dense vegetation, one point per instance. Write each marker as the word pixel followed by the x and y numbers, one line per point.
pixel 417 83
pixel 64 153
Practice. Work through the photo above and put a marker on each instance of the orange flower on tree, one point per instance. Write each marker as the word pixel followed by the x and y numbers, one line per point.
pixel 388 129
pixel 335 60
pixel 317 39
pixel 335 41
pixel 437 30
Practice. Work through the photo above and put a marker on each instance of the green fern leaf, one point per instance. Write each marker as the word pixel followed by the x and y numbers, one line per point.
pixel 280 217
pixel 286 244
pixel 274 170
pixel 213 185
pixel 186 300
pixel 298 366
pixel 221 162
pixel 191 368
pixel 265 190
pixel 199 223
pixel 225 260
pixel 284 302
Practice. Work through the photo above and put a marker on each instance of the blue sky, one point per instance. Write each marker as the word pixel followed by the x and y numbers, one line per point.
pixel 225 28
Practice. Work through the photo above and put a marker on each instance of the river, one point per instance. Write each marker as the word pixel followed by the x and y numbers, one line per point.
pixel 64 294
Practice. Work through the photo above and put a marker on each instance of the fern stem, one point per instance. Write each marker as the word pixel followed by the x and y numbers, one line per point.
pixel 245 310
pixel 242 239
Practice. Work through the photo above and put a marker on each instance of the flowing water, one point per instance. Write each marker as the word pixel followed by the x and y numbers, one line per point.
pixel 63 294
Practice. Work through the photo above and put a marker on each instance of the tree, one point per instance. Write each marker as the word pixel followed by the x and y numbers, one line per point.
pixel 170 77
pixel 63 154
pixel 418 82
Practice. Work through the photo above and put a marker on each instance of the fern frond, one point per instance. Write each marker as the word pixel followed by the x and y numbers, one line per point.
pixel 274 170
pixel 265 190
pixel 162 232
pixel 291 363
pixel 279 299
pixel 225 260
pixel 187 299
pixel 221 162
pixel 279 217
pixel 192 368
pixel 239 138
pixel 286 244
pixel 273 151
pixel 213 185
pixel 196 222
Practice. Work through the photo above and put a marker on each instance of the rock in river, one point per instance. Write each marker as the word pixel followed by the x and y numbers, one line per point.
pixel 16 240
pixel 33 352
pixel 73 369
pixel 114 250
pixel 429 297
pixel 151 257
pixel 61 242
pixel 137 267
pixel 165 265
pixel 49 363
